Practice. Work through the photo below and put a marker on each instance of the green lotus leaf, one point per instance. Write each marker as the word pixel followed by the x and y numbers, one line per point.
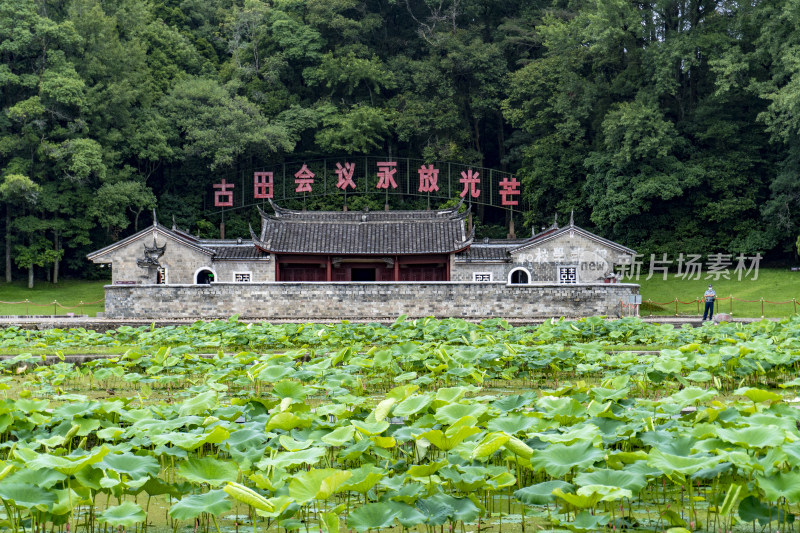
pixel 781 485
pixel 290 389
pixel 669 463
pixel 580 501
pixel 214 502
pixel 449 414
pixel 309 456
pixel 406 376
pixel 631 481
pixel 364 478
pixel 292 445
pixel 425 470
pixel 606 493
pixel 135 466
pixel 274 373
pixel 464 509
pixel 753 437
pixel 690 396
pixel 751 509
pixel 319 484
pixel 45 478
pixel 559 459
pixel 758 395
pixel 372 516
pixel 407 515
pixel 339 436
pixel 200 404
pixel 27 496
pixel 330 522
pixel 586 521
pixel 156 487
pixel 586 433
pixel 489 445
pixel 185 441
pixel 439 439
pixel 126 515
pixel 512 423
pixel 66 501
pixel 383 408
pixel 284 420
pixel 29 405
pixel 370 428
pixel 412 405
pixel 436 512
pixel 68 465
pixel 208 470
pixel 542 493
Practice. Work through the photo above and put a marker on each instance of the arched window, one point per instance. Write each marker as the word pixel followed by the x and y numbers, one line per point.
pixel 204 276
pixel 519 276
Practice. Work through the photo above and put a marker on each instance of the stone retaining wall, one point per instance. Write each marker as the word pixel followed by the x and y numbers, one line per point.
pixel 336 301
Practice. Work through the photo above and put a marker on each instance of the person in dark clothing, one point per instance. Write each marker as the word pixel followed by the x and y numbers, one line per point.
pixel 709 296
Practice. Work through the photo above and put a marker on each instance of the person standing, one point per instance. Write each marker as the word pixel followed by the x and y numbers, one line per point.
pixel 709 296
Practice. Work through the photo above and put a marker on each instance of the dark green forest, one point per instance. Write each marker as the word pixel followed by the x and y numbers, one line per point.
pixel 667 125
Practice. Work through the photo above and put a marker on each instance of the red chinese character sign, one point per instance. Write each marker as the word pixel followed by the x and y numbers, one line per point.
pixel 386 172
pixel 224 196
pixel 304 179
pixel 470 180
pixel 262 185
pixel 509 188
pixel 428 179
pixel 345 176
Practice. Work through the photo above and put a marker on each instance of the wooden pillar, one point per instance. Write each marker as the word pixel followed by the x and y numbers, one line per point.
pixel 328 273
pixel 447 268
pixel 277 268
pixel 397 268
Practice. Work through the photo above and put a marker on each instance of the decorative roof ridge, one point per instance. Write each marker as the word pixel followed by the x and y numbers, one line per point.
pixel 551 233
pixel 155 227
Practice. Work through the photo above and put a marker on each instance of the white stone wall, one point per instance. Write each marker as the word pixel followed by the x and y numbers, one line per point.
pixel 262 271
pixel 337 301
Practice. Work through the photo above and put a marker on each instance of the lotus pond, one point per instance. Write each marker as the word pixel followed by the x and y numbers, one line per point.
pixel 420 424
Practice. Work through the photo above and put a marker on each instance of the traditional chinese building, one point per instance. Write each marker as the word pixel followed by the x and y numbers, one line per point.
pixel 345 250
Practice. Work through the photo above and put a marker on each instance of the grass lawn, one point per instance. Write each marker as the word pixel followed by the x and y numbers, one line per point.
pixel 68 293
pixel 774 285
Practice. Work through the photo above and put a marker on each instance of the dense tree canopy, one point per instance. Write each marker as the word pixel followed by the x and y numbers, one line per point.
pixel 668 125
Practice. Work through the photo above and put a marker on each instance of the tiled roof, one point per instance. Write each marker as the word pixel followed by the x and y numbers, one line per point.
pixel 363 233
pixel 484 253
pixel 236 251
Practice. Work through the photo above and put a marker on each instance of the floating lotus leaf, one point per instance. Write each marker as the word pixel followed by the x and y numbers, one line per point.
pixel 27 495
pixel 372 516
pixel 632 481
pixel 753 437
pixel 214 502
pixel 559 459
pixel 125 515
pixel 208 470
pixel 782 485
pixel 542 493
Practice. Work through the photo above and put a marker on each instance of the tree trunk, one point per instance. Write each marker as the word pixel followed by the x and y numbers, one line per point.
pixel 57 262
pixel 30 277
pixel 8 245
